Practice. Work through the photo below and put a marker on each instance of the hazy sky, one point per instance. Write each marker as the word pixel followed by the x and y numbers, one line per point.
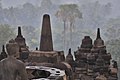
pixel 115 3
pixel 8 3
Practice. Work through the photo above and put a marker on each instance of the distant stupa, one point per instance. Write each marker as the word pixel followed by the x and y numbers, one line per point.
pixel 46 43
pixel 98 34
pixel 98 42
pixel 20 39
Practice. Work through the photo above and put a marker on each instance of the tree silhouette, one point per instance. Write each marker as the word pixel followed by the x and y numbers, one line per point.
pixel 68 13
pixel 6 33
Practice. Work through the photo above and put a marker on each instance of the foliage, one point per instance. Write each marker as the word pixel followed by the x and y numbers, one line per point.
pixel 68 14
pixel 95 14
pixel 113 29
pixel 112 35
pixel 6 33
pixel 31 35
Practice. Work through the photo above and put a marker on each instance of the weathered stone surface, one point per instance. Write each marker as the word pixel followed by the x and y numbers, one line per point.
pixel 3 53
pixel 93 60
pixel 98 42
pixel 24 52
pixel 86 42
pixel 46 43
pixel 10 67
pixel 20 39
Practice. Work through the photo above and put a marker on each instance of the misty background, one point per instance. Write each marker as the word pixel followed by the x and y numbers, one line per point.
pixel 71 20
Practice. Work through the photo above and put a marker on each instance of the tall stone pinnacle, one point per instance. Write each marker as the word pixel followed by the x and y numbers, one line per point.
pixel 19 32
pixel 69 57
pixel 69 51
pixel 46 43
pixel 3 53
pixel 98 42
pixel 98 34
pixel 20 39
pixel 3 48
